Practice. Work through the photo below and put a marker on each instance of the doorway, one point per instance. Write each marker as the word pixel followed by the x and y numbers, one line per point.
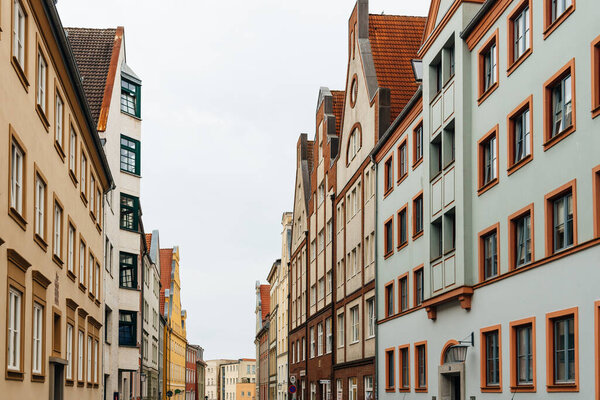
pixel 452 381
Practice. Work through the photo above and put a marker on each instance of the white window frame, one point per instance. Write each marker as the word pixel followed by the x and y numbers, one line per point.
pixel 42 73
pixel 40 206
pixel 15 300
pixel 16 178
pixel 355 324
pixel 371 319
pixel 58 218
pixel 80 339
pixel 37 338
pixel 521 33
pixel 320 339
pixel 341 330
pixel 19 20
pixel 69 368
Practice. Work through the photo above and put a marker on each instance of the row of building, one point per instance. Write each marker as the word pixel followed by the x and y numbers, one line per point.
pixel 93 304
pixel 446 218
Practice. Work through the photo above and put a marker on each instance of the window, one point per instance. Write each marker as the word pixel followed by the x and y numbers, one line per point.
pixel 72 152
pixel 58 223
pixel 321 241
pixel 16 178
pixel 418 279
pixel 129 212
pixel 389 175
pixel 329 282
pixel 404 368
pixel 313 295
pixel 329 231
pixel 437 78
pixel 559 105
pixel 82 262
pixel 389 299
pixel 563 368
pixel 19 34
pixel 418 215
pixel 89 359
pixel 491 359
pixel 389 369
pixel 354 144
pixel 522 342
pixel 130 97
pixel 488 253
pixel 488 161
pixel 69 369
pixel 40 207
pixel 418 144
pixel 329 336
pixel 402 160
pixel 388 229
pixel 403 293
pixel 321 193
pixel 488 67
pixel 520 237
pixel 340 327
pixel 42 83
pixel 37 339
pixel 596 77
pixel 58 121
pixel 368 387
pixel 127 328
pixel 320 339
pixel 402 227
pixel 352 389
pixel 421 367
pixel 91 282
pixel 127 270
pixel 130 155
pixel 520 139
pixel 561 224
pixel 83 175
pixel 312 343
pixel 80 356
pixel 371 315
pixel 355 324
pixel 15 327
pixel 555 12
pixel 520 34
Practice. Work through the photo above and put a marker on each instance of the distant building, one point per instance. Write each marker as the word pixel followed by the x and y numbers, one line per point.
pixel 273 279
pixel 262 340
pixel 191 377
pixel 283 307
pixel 245 391
pixel 213 378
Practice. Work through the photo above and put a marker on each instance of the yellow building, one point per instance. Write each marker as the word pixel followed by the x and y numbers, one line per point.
pixel 175 334
pixel 53 174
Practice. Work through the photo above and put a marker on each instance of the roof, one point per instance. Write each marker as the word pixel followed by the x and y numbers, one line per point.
pixel 338 107
pixel 148 240
pixel 166 260
pixel 93 50
pixel 265 300
pixel 395 41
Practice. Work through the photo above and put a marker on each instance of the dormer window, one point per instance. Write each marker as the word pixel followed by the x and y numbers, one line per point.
pixel 130 97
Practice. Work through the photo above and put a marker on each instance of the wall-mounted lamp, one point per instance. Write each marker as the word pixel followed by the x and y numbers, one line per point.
pixel 458 352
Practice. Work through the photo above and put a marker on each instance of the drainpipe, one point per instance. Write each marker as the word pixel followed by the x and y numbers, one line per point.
pixel 142 324
pixel 375 378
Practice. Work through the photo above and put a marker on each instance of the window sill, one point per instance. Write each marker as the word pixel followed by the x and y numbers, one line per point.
pixel 564 387
pixel 42 114
pixel 91 296
pixel 57 260
pixel 38 378
pixel 519 61
pixel 483 96
pixel 388 191
pixel 388 254
pixel 421 390
pixel 80 384
pixel 69 382
pixel 14 375
pixel 82 287
pixel 417 235
pixel 18 218
pixel 390 389
pixel 83 198
pixel 403 245
pixel 71 276
pixel 519 164
pixel 491 389
pixel 404 390
pixel 73 177
pixel 596 111
pixel 559 137
pixel 130 173
pixel 40 242
pixel 20 73
pixel 417 163
pixel 487 186
pixel 98 227
pixel 60 151
pixel 131 115
pixel 552 27
pixel 523 389
pixel 402 178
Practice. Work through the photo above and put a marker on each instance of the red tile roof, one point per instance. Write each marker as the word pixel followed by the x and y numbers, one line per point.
pixel 265 300
pixel 338 106
pixel 92 49
pixel 395 41
pixel 148 240
pixel 166 260
pixel 310 144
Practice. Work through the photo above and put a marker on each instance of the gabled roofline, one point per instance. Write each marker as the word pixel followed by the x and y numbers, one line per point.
pixel 487 6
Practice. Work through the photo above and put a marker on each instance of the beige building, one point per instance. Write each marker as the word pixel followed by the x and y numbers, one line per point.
pixel 245 391
pixel 51 241
pixel 212 382
pixel 235 372
pixel 282 306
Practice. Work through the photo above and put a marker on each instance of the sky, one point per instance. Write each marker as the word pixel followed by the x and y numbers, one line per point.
pixel 227 87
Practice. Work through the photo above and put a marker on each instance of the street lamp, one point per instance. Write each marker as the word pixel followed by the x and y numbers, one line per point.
pixel 458 352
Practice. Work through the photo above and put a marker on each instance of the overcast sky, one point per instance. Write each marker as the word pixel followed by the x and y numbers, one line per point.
pixel 227 88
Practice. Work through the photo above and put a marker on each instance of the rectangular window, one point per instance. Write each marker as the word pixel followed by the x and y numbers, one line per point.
pixel 130 155
pixel 389 299
pixel 488 160
pixel 417 215
pixel 130 97
pixel 402 227
pixel 371 315
pixel 329 338
pixel 562 328
pixel 16 178
pixel 402 160
pixel 488 67
pixel 72 152
pixel 129 212
pixel 329 282
pixel 389 175
pixel 520 138
pixel 69 369
pixel 40 207
pixel 522 338
pixel 19 27
pixel 83 175
pixel 556 10
pixel 418 279
pixel 91 273
pixel 320 339
pixel 404 368
pixel 127 328
pixel 80 356
pixel 15 327
pixel 519 34
pixel 421 367
pixel 389 236
pixel 42 82
pixel 563 222
pixel 312 343
pixel 559 105
pixel 403 293
pixel 59 112
pixel 321 237
pixel 489 253
pixel 520 237
pixel 37 339
pixel 418 144
pixel 329 231
pixel 127 270
pixel 492 359
pixel 340 328
pixel 389 369
pixel 368 388
pixel 321 193
pixel 355 324
pixel 58 226
pixel 89 359
pixel 352 389
pixel 81 263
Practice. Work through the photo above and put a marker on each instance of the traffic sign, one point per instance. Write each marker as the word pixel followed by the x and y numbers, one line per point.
pixel 292 389
pixel 293 379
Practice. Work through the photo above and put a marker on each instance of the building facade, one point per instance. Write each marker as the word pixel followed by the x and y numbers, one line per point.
pixel 54 175
pixel 150 315
pixel 200 374
pixel 273 279
pixel 282 307
pixel 485 268
pixel 261 340
pixel 191 384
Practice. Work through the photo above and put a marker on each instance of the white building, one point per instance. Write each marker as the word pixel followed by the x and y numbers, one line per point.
pixel 282 310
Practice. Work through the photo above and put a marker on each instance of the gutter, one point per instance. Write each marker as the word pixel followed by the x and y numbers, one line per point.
pixel 69 59
pixel 477 18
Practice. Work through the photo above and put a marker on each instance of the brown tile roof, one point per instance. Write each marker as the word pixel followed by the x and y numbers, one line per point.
pixel 338 106
pixel 395 41
pixel 166 260
pixel 92 49
pixel 265 300
pixel 148 240
pixel 309 155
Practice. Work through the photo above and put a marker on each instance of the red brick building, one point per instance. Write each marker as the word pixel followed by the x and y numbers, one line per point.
pixel 263 301
pixel 191 374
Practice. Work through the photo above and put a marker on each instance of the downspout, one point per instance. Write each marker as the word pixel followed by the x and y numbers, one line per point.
pixel 375 378
pixel 333 284
pixel 142 324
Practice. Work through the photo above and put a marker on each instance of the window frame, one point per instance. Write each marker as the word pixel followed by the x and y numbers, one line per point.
pixel 418 387
pixel 355 326
pixel 418 277
pixel 514 326
pixel 403 160
pixel 596 200
pixel 511 120
pixel 15 371
pixel 20 66
pixel 550 25
pixel 483 235
pixel 513 234
pixel 483 92
pixel 19 216
pixel 41 238
pixel 58 258
pixel 132 324
pixel 136 94
pixel 389 299
pixel 135 209
pixel 41 88
pixel 485 386
pixel 341 331
pixel 513 63
pixel 551 318
pixel 595 54
pixel 59 128
pixel 416 232
pixel 136 152
pixel 549 200
pixel 388 176
pixel 133 266
pixel 402 212
pixel 371 317
pixel 404 386
pixel 482 185
pixel 388 229
pixel 549 139
pixel 417 158
pixel 390 366
pixel 403 293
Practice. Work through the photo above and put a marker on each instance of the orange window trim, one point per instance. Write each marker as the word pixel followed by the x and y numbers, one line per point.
pixel 403 209
pixel 551 385
pixel 514 382
pixel 595 77
pixel 390 353
pixel 400 278
pixel 512 235
pixel 550 26
pixel 510 37
pixel 420 389
pixel 388 169
pixel 482 188
pixel 597 345
pixel 483 359
pixel 403 145
pixel 447 346
pixel 388 229
pixel 549 214
pixel 418 161
pixel 416 234
pixel 596 204
pixel 484 94
pixel 403 386
pixel 482 235
pixel 549 141
pixel 511 166
pixel 389 288
pixel 415 270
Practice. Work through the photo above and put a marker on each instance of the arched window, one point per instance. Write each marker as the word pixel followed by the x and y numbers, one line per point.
pixel 354 143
